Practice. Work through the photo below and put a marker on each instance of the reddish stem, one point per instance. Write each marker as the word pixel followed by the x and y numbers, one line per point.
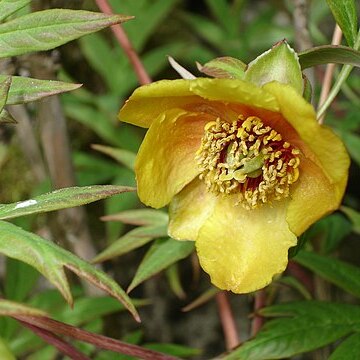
pixel 258 320
pixel 100 341
pixel 302 275
pixel 60 344
pixel 125 43
pixel 227 321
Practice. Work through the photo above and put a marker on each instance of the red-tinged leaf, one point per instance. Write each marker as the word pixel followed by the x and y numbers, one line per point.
pixel 326 54
pixel 224 67
pixel 45 30
pixel 24 89
pixel 50 260
pixel 99 341
pixel 124 157
pixel 61 199
pixel 11 308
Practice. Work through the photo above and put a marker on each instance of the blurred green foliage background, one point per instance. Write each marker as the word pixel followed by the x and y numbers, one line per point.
pixel 189 31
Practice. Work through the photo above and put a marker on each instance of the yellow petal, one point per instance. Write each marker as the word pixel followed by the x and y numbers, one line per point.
pixel 147 102
pixel 325 145
pixel 234 91
pixel 189 209
pixel 166 159
pixel 242 249
pixel 312 197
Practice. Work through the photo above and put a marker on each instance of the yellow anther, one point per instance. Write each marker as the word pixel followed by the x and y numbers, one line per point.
pixel 210 125
pixel 235 158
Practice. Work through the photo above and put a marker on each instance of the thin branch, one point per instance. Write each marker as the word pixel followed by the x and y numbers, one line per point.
pixel 330 68
pixel 62 346
pixel 343 75
pixel 258 321
pixel 100 341
pixel 125 43
pixel 227 321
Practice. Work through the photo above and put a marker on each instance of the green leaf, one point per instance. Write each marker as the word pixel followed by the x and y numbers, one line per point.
pixel 20 279
pixel 301 327
pixel 10 308
pixel 157 13
pixel 326 54
pixel 329 232
pixel 124 157
pixel 94 120
pixel 280 63
pixel 348 349
pixel 61 199
pixel 140 217
pixel 87 309
pixel 295 284
pixel 50 260
pixel 109 67
pixel 308 91
pixel 338 272
pixel 131 241
pixel 206 29
pixel 161 255
pixel 354 217
pixel 352 142
pixel 23 89
pixel 8 7
pixel 224 67
pixel 202 299
pixel 335 228
pixel 224 13
pixel 345 14
pixel 44 30
pixel 180 351
pixel 113 205
pixel 92 169
pixel 5 353
pixel 4 90
pixel 173 276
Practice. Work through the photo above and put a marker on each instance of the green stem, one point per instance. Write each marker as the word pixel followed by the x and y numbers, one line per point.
pixel 343 75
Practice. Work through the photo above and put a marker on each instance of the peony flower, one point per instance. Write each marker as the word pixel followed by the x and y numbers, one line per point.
pixel 245 170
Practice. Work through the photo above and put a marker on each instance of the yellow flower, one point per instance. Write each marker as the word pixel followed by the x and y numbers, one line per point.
pixel 245 169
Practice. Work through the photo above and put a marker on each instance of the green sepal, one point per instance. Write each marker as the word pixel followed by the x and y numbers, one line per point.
pixel 280 63
pixel 307 93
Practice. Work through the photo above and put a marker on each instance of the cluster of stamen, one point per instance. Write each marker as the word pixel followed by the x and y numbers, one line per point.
pixel 247 158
